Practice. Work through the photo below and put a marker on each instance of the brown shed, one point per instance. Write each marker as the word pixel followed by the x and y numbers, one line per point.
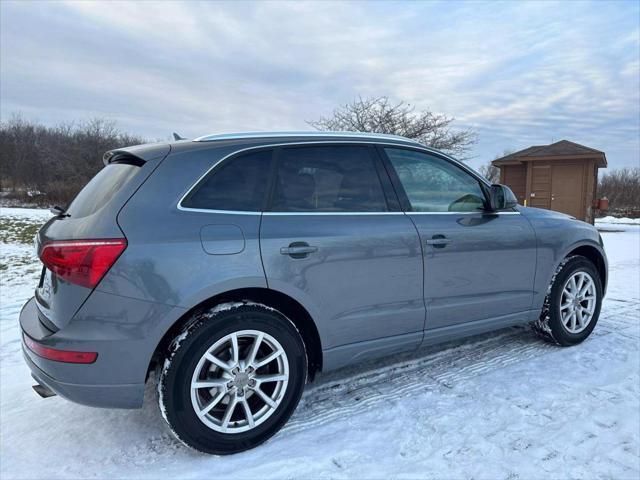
pixel 562 176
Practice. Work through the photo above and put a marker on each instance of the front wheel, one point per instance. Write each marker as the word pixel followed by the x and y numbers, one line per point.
pixel 572 306
pixel 233 378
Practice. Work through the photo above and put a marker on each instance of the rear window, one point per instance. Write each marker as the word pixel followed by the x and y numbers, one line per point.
pixel 239 184
pixel 101 189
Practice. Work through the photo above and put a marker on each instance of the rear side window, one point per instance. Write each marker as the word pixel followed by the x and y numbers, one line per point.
pixel 101 189
pixel 327 179
pixel 238 185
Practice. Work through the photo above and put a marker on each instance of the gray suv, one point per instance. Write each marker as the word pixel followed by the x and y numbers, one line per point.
pixel 236 267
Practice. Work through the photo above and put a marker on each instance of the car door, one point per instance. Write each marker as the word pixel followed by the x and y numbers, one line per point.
pixel 478 265
pixel 334 239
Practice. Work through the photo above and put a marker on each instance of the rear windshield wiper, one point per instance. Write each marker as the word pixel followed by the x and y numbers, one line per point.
pixel 59 211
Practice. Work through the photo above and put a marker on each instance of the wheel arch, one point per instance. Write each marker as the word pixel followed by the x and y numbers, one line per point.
pixel 596 257
pixel 288 306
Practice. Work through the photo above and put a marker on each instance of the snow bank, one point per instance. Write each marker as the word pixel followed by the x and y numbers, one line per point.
pixel 622 221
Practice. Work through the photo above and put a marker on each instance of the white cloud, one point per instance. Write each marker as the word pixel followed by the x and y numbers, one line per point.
pixel 519 73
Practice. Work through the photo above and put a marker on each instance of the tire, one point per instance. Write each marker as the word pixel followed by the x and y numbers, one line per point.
pixel 556 323
pixel 226 381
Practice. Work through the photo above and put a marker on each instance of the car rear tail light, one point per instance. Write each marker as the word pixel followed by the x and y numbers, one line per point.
pixel 83 262
pixel 56 355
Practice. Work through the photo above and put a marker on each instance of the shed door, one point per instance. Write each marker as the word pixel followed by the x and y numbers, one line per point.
pixel 566 190
pixel 540 186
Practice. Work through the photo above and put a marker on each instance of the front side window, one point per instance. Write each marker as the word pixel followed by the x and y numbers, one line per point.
pixel 435 185
pixel 238 185
pixel 327 179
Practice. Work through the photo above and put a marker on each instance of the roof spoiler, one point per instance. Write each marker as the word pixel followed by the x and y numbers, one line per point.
pixel 137 155
pixel 120 156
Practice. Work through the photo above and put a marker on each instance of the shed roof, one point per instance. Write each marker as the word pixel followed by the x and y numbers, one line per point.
pixel 562 150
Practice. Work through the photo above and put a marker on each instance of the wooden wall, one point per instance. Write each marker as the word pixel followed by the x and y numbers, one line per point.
pixel 568 186
pixel 515 177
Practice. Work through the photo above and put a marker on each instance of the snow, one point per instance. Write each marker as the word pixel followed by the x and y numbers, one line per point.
pixel 624 221
pixel 501 405
pixel 34 214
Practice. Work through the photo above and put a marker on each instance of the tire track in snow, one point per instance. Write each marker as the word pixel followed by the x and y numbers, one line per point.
pixel 426 371
pixel 451 364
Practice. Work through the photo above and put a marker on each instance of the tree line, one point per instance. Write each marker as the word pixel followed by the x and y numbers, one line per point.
pixel 622 187
pixel 47 165
pixel 44 165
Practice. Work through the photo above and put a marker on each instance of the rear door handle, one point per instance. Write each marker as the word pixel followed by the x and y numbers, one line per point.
pixel 438 241
pixel 298 250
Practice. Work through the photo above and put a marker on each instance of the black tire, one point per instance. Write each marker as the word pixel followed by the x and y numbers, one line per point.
pixel 174 385
pixel 550 326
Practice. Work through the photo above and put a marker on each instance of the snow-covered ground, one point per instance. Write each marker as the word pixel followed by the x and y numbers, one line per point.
pixel 623 220
pixel 502 405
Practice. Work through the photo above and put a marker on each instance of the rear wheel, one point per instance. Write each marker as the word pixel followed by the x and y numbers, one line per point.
pixel 233 378
pixel 572 306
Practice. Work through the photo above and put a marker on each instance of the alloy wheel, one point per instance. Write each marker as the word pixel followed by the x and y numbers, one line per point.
pixel 578 302
pixel 240 381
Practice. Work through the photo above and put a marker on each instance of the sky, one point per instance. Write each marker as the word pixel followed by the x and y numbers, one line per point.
pixel 518 73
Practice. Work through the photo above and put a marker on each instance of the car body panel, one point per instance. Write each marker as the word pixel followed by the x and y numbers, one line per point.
pixel 122 330
pixel 557 235
pixel 377 259
pixel 344 355
pixel 487 270
pixel 165 260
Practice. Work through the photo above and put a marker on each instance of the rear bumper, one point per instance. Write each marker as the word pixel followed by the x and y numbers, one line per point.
pixel 107 396
pixel 117 378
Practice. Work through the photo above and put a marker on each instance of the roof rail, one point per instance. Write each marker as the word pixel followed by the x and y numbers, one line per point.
pixel 302 133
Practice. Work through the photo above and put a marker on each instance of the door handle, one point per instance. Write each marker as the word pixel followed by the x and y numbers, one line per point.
pixel 298 250
pixel 438 241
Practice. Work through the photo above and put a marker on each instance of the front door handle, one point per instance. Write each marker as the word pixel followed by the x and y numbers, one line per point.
pixel 438 241
pixel 298 250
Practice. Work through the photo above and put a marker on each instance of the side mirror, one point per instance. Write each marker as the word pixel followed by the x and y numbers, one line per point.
pixel 502 197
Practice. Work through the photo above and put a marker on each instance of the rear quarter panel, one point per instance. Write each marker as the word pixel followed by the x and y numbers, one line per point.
pixel 58 299
pixel 165 261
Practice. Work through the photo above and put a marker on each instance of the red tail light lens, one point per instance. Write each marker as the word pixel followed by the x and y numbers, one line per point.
pixel 58 355
pixel 83 262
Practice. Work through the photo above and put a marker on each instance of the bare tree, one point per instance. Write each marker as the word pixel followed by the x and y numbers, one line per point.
pixel 379 115
pixel 622 188
pixel 49 165
pixel 490 172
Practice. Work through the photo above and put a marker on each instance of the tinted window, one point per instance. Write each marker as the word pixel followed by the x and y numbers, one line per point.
pixel 328 179
pixel 435 185
pixel 239 184
pixel 101 189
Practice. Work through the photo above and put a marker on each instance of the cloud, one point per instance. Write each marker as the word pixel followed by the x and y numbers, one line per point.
pixel 519 73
